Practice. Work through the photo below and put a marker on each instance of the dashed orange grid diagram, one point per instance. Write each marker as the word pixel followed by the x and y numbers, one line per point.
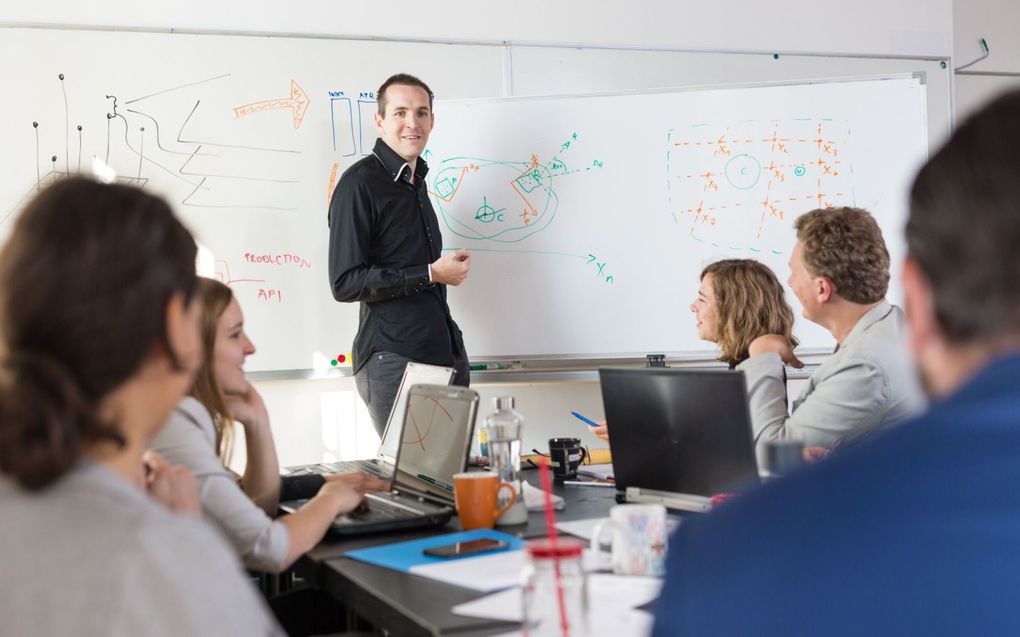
pixel 739 186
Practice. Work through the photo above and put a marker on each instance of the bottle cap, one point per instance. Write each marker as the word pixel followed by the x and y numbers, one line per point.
pixel 562 547
pixel 503 402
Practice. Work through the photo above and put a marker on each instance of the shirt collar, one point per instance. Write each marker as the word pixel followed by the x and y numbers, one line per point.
pixel 395 164
pixel 872 316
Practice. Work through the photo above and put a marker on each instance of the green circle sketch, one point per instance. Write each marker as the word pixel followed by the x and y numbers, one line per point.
pixel 743 171
pixel 799 171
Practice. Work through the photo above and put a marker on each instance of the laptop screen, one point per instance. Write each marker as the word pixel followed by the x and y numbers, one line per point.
pixel 682 431
pixel 414 374
pixel 438 425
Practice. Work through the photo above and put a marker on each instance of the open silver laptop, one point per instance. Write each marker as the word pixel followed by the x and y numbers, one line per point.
pixel 382 465
pixel 433 445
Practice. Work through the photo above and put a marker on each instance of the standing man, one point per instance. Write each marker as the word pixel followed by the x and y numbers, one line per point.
pixel 386 252
pixel 839 271
pixel 917 530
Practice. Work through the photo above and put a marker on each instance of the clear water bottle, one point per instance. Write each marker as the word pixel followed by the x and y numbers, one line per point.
pixel 503 428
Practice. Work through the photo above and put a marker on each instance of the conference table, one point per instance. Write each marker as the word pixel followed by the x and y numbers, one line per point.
pixel 399 603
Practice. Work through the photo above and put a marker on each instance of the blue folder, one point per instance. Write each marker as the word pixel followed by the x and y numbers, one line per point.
pixel 401 556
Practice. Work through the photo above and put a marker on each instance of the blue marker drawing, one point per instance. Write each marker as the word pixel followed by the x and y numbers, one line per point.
pixel 587 421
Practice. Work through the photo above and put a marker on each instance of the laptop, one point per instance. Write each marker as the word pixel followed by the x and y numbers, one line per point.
pixel 385 459
pixel 433 445
pixel 678 436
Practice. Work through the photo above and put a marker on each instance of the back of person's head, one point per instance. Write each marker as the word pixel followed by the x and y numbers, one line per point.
pixel 214 297
pixel 963 230
pixel 85 280
pixel 750 302
pixel 845 245
pixel 403 79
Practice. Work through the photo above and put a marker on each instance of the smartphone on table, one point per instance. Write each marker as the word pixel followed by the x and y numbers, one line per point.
pixel 461 549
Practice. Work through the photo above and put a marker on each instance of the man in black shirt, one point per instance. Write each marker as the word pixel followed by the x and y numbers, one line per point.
pixel 386 252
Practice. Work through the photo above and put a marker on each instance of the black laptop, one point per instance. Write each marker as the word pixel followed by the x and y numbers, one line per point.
pixel 435 439
pixel 678 432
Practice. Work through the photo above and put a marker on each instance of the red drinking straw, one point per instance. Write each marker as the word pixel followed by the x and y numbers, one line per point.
pixel 550 523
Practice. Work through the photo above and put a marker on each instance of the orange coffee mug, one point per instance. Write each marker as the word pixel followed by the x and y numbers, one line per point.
pixel 476 494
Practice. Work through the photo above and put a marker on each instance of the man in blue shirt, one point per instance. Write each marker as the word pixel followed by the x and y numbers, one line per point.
pixel 916 531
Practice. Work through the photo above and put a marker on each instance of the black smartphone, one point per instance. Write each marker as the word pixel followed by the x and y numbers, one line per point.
pixel 465 548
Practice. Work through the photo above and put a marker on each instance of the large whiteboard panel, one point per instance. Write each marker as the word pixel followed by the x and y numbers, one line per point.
pixel 244 135
pixel 591 216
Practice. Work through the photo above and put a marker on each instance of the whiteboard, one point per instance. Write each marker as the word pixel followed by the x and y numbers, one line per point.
pixel 590 217
pixel 244 135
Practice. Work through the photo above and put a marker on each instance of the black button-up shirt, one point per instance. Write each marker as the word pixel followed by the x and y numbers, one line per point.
pixel 383 234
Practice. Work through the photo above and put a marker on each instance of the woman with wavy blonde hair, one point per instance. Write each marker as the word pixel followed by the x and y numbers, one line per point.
pixel 738 301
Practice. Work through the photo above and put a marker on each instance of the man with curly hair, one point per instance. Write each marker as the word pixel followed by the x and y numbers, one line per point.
pixel 840 274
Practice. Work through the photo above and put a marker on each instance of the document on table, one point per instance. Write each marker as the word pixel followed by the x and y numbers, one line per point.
pixel 632 623
pixel 603 471
pixel 585 529
pixel 613 600
pixel 486 573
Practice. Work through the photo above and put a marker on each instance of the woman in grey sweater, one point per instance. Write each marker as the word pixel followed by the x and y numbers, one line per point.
pixel 199 435
pixel 100 339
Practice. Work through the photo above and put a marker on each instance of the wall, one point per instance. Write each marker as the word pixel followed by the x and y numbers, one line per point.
pixel 996 21
pixel 876 27
pixel 322 419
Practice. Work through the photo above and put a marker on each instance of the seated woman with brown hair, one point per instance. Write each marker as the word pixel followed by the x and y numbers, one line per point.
pixel 199 436
pixel 738 300
pixel 98 341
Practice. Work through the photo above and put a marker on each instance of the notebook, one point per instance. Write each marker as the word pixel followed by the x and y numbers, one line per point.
pixel 673 431
pixel 433 445
pixel 382 464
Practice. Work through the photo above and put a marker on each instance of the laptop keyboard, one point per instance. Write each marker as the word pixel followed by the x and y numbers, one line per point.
pixel 377 509
pixel 351 466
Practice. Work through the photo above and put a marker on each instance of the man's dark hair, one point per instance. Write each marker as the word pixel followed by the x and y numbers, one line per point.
pixel 403 79
pixel 964 225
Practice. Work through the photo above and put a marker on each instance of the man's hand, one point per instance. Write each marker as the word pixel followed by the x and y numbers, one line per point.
pixel 451 268
pixel 602 431
pixel 814 454
pixel 775 343
pixel 172 485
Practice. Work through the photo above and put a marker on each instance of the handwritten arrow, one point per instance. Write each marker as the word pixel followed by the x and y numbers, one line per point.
pixel 297 102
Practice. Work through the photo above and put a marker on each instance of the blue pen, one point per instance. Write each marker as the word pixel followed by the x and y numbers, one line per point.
pixel 587 421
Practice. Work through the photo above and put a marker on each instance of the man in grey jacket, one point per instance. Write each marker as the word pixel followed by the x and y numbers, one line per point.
pixel 840 274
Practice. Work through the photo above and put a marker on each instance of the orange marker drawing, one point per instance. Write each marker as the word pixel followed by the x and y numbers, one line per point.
pixel 298 103
pixel 332 181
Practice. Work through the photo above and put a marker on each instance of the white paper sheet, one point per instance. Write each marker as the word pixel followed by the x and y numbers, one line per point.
pixel 488 573
pixel 612 593
pixel 632 623
pixel 603 471
pixel 484 573
pixel 580 528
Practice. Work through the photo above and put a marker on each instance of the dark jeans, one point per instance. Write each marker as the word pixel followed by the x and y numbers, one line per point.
pixel 379 379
